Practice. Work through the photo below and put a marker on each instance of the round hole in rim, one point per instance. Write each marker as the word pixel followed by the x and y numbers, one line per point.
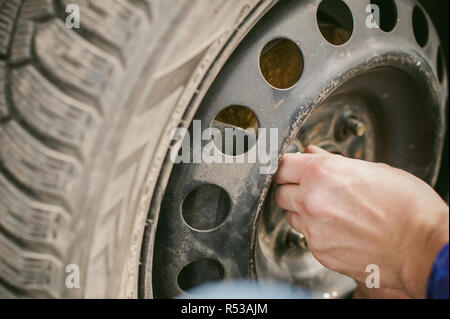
pixel 200 272
pixel 206 207
pixel 335 21
pixel 440 65
pixel 388 14
pixel 420 26
pixel 281 63
pixel 238 128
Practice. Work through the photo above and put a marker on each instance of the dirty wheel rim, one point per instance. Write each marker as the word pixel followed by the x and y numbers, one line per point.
pixel 392 87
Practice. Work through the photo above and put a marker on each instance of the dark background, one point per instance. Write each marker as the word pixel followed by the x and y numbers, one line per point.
pixel 439 13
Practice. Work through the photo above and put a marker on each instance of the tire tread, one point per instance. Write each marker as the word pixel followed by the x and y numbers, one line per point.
pixel 55 84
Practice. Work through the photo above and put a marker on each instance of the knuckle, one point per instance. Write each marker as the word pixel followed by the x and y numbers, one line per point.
pixel 312 204
pixel 313 238
pixel 310 239
pixel 313 167
pixel 292 219
pixel 306 231
pixel 319 167
pixel 384 165
pixel 299 203
pixel 280 195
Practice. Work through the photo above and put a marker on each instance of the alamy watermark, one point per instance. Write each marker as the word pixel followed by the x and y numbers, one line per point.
pixel 226 146
pixel 73 17
pixel 73 277
pixel 373 19
pixel 373 279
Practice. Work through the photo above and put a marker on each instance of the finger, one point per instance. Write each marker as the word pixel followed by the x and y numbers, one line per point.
pixel 287 197
pixel 360 292
pixel 296 222
pixel 312 149
pixel 379 293
pixel 292 167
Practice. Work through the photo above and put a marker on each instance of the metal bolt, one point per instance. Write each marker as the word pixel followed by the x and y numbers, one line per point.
pixel 356 127
pixel 294 238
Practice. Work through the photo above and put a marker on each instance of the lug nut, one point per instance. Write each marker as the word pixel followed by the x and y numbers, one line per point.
pixel 356 127
pixel 349 124
pixel 296 239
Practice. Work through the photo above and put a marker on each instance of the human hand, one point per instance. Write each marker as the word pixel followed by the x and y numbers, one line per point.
pixel 362 292
pixel 355 213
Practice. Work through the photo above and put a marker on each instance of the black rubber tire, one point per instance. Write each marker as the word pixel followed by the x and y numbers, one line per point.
pixel 85 118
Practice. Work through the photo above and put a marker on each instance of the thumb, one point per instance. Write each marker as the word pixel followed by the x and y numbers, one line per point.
pixel 312 149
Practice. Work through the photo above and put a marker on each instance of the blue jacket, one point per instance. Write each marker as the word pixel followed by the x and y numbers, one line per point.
pixel 438 282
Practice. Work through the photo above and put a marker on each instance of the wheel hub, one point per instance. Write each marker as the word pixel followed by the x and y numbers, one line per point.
pixel 282 254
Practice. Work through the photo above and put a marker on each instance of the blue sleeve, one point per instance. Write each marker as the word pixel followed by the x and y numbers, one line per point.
pixel 438 282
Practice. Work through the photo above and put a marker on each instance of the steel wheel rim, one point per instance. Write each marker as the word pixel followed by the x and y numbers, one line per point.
pixel 410 59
